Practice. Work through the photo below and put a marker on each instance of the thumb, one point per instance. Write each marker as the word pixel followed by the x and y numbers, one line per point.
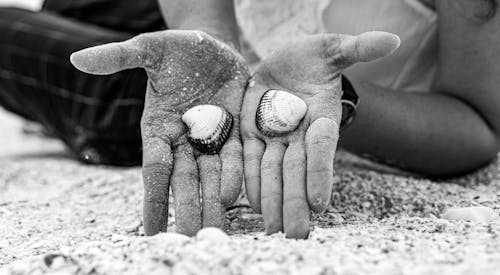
pixel 369 46
pixel 110 58
pixel 365 47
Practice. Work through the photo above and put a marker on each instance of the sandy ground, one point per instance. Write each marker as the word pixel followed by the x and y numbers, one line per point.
pixel 58 216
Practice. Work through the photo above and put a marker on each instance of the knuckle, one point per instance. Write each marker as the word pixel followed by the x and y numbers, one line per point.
pixel 187 174
pixel 269 169
pixel 294 163
pixel 154 200
pixel 318 172
pixel 185 204
pixel 251 157
pixel 232 150
pixel 155 159
pixel 252 180
pixel 271 197
pixel 151 166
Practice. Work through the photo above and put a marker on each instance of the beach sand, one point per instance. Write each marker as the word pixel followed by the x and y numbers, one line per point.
pixel 58 216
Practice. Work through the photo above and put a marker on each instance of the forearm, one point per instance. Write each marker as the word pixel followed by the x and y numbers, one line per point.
pixel 215 17
pixel 430 133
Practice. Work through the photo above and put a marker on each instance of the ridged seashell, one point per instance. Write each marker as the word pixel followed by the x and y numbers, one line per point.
pixel 209 127
pixel 279 112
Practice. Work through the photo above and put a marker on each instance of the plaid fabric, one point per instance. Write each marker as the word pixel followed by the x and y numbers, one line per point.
pixel 98 117
pixel 119 15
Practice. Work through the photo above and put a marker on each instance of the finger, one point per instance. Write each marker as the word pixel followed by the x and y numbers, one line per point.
pixel 156 170
pixel 253 150
pixel 295 206
pixel 110 58
pixel 321 143
pixel 209 167
pixel 272 187
pixel 365 47
pixel 185 187
pixel 232 171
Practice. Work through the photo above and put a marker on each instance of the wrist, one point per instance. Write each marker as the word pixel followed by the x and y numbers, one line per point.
pixel 349 101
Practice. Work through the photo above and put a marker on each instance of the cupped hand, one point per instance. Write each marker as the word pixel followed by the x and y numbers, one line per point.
pixel 185 69
pixel 289 174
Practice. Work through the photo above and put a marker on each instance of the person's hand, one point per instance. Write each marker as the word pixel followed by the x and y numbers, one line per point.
pixel 185 69
pixel 288 174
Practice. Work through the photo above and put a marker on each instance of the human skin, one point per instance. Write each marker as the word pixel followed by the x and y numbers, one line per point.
pixel 185 69
pixel 169 161
pixel 288 175
pixel 447 132
pixel 456 127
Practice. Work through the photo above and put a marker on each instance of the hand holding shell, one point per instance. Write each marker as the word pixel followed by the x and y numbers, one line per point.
pixel 290 125
pixel 185 69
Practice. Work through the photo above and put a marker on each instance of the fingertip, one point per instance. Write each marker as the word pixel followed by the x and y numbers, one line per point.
pixel 94 60
pixel 79 60
pixel 319 203
pixel 256 208
pixel 273 226
pixel 299 231
pixel 155 217
pixel 376 44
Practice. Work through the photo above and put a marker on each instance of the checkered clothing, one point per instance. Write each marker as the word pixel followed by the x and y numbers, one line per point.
pixel 98 117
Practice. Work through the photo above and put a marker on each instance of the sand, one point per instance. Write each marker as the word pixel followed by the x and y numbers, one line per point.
pixel 58 216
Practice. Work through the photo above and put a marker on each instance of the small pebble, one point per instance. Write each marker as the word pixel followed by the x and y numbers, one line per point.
pixel 475 214
pixel 173 237
pixel 4 244
pixel 212 234
pixel 117 238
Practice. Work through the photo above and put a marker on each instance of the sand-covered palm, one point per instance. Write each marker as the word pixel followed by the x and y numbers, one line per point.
pixel 288 175
pixel 185 69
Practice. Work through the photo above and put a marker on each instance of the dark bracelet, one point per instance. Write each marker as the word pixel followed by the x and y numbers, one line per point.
pixel 349 100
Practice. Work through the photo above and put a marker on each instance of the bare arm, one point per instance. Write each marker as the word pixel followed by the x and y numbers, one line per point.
pixel 215 17
pixel 452 130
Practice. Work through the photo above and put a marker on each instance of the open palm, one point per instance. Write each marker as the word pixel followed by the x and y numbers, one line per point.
pixel 185 69
pixel 290 174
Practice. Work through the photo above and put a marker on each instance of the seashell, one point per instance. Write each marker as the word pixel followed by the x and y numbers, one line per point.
pixel 209 127
pixel 279 112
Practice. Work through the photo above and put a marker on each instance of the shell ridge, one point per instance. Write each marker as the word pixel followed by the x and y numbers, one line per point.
pixel 278 112
pixel 209 126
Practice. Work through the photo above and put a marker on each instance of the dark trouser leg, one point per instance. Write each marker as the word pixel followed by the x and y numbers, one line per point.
pixel 98 117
